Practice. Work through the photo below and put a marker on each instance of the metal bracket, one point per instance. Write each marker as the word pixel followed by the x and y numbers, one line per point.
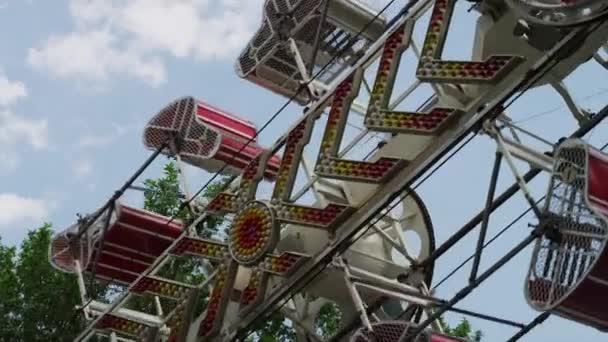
pixel 82 289
pixel 486 217
pixel 534 158
pixel 491 128
pixel 581 115
pixel 307 80
pixel 600 59
pixel 359 304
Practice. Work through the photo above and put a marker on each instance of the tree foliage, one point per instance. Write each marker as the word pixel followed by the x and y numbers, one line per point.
pixel 462 330
pixel 329 320
pixel 163 196
pixel 9 295
pixel 276 329
pixel 37 302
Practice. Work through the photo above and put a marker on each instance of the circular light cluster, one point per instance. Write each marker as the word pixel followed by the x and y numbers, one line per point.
pixel 559 12
pixel 253 233
pixel 201 248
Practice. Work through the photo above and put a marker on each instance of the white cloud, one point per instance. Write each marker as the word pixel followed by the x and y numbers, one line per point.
pixel 17 130
pixel 18 209
pixel 131 37
pixel 8 162
pixel 102 140
pixel 11 91
pixel 14 129
pixel 92 56
pixel 82 168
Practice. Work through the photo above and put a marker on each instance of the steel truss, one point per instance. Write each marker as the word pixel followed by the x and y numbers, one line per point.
pixel 494 103
pixel 480 115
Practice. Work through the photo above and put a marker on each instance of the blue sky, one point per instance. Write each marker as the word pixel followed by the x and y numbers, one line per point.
pixel 79 80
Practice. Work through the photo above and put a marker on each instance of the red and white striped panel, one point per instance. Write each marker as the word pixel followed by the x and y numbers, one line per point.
pixel 225 122
pixel 208 137
pixel 134 239
pixel 597 180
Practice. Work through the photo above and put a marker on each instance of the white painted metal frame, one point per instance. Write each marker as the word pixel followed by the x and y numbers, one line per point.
pixel 89 332
pixel 377 201
pixel 492 100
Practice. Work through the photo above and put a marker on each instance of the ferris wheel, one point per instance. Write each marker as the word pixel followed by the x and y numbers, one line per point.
pixel 331 212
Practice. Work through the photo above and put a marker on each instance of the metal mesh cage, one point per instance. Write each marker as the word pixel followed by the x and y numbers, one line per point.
pixel 63 252
pixel 387 331
pixel 268 61
pixel 562 258
pixel 197 142
pixel 559 13
pixel 65 249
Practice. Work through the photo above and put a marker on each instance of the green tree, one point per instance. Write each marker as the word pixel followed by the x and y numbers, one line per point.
pixel 30 289
pixel 462 330
pixel 9 295
pixel 163 196
pixel 329 320
pixel 276 329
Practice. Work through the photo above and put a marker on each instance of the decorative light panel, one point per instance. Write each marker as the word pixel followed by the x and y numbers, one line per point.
pixel 204 248
pixel 279 265
pixel 253 294
pixel 378 118
pixel 110 322
pixel 284 264
pixel 325 218
pixel 250 178
pixel 431 68
pixel 222 287
pixel 297 138
pixel 388 66
pixel 161 287
pixel 410 122
pixel 178 322
pixel 328 163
